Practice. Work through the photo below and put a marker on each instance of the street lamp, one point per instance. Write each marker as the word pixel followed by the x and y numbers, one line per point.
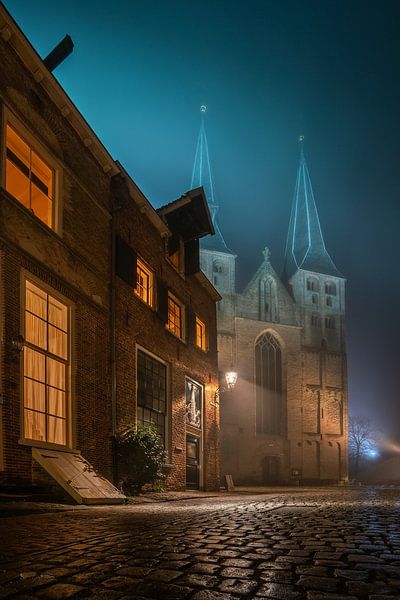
pixel 230 382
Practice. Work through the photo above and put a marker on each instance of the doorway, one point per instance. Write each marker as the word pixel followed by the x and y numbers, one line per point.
pixel 192 462
pixel 270 470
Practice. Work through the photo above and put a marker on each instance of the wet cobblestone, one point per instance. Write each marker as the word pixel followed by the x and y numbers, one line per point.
pixel 314 545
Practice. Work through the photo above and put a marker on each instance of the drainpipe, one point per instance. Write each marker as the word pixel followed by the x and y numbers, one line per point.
pixel 113 328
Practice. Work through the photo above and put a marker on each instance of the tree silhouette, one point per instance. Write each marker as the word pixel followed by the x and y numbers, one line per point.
pixel 362 440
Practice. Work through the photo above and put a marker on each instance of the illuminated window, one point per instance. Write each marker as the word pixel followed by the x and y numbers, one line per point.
pixel 29 178
pixel 144 283
pixel 200 334
pixel 151 392
pixel 46 366
pixel 175 317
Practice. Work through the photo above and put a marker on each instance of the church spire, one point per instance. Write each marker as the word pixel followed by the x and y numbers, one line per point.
pixel 201 176
pixel 305 246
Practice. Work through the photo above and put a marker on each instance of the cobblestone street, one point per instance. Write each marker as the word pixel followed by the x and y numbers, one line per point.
pixel 313 544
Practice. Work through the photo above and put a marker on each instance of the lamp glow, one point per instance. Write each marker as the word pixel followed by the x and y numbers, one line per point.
pixel 231 379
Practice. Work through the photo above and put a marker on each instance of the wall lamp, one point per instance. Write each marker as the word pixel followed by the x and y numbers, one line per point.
pixel 17 345
pixel 230 382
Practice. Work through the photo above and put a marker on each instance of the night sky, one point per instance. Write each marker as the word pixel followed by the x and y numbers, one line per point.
pixel 268 71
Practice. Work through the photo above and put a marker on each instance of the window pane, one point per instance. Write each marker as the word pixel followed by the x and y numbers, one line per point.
pixel 58 342
pixel 34 425
pixel 43 174
pixel 56 403
pixel 35 331
pixel 55 373
pixel 17 184
pixel 36 300
pixel 34 395
pixel 56 430
pixel 41 205
pixel 17 145
pixel 58 314
pixel 34 364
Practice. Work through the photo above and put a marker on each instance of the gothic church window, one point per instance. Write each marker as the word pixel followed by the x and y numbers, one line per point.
pixel 268 359
pixel 330 323
pixel 330 288
pixel 312 284
pixel 315 320
pixel 268 300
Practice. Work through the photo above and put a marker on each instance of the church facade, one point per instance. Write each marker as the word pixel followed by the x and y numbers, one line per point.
pixel 286 420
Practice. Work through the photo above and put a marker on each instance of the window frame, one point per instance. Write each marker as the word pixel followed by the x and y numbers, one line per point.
pixel 140 264
pixel 182 307
pixel 167 392
pixel 204 346
pixel 70 412
pixel 46 156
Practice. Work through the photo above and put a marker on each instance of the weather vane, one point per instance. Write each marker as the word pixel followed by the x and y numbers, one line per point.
pixel 203 108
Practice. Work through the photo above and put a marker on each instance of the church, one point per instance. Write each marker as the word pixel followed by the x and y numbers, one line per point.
pixel 286 420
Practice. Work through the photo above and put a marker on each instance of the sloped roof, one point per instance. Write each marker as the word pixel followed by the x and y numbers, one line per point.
pixel 305 246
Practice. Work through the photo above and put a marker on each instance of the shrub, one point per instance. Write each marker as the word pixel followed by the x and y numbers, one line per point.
pixel 141 456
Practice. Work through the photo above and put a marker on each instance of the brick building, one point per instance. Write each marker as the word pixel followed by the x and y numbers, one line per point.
pixel 105 317
pixel 286 420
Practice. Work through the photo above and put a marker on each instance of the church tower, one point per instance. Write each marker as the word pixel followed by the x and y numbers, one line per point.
pixel 319 292
pixel 216 259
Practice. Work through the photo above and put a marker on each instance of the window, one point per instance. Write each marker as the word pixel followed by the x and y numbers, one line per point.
pixel 329 301
pixel 314 298
pixel 144 283
pixel 330 288
pixel 46 366
pixel 175 317
pixel 151 392
pixel 315 320
pixel 218 267
pixel 29 178
pixel 268 358
pixel 200 334
pixel 312 285
pixel 330 323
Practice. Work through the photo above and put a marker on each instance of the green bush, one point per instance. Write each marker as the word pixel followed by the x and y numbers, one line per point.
pixel 141 456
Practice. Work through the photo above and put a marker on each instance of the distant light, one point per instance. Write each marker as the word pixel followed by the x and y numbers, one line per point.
pixel 203 108
pixel 231 378
pixel 373 453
